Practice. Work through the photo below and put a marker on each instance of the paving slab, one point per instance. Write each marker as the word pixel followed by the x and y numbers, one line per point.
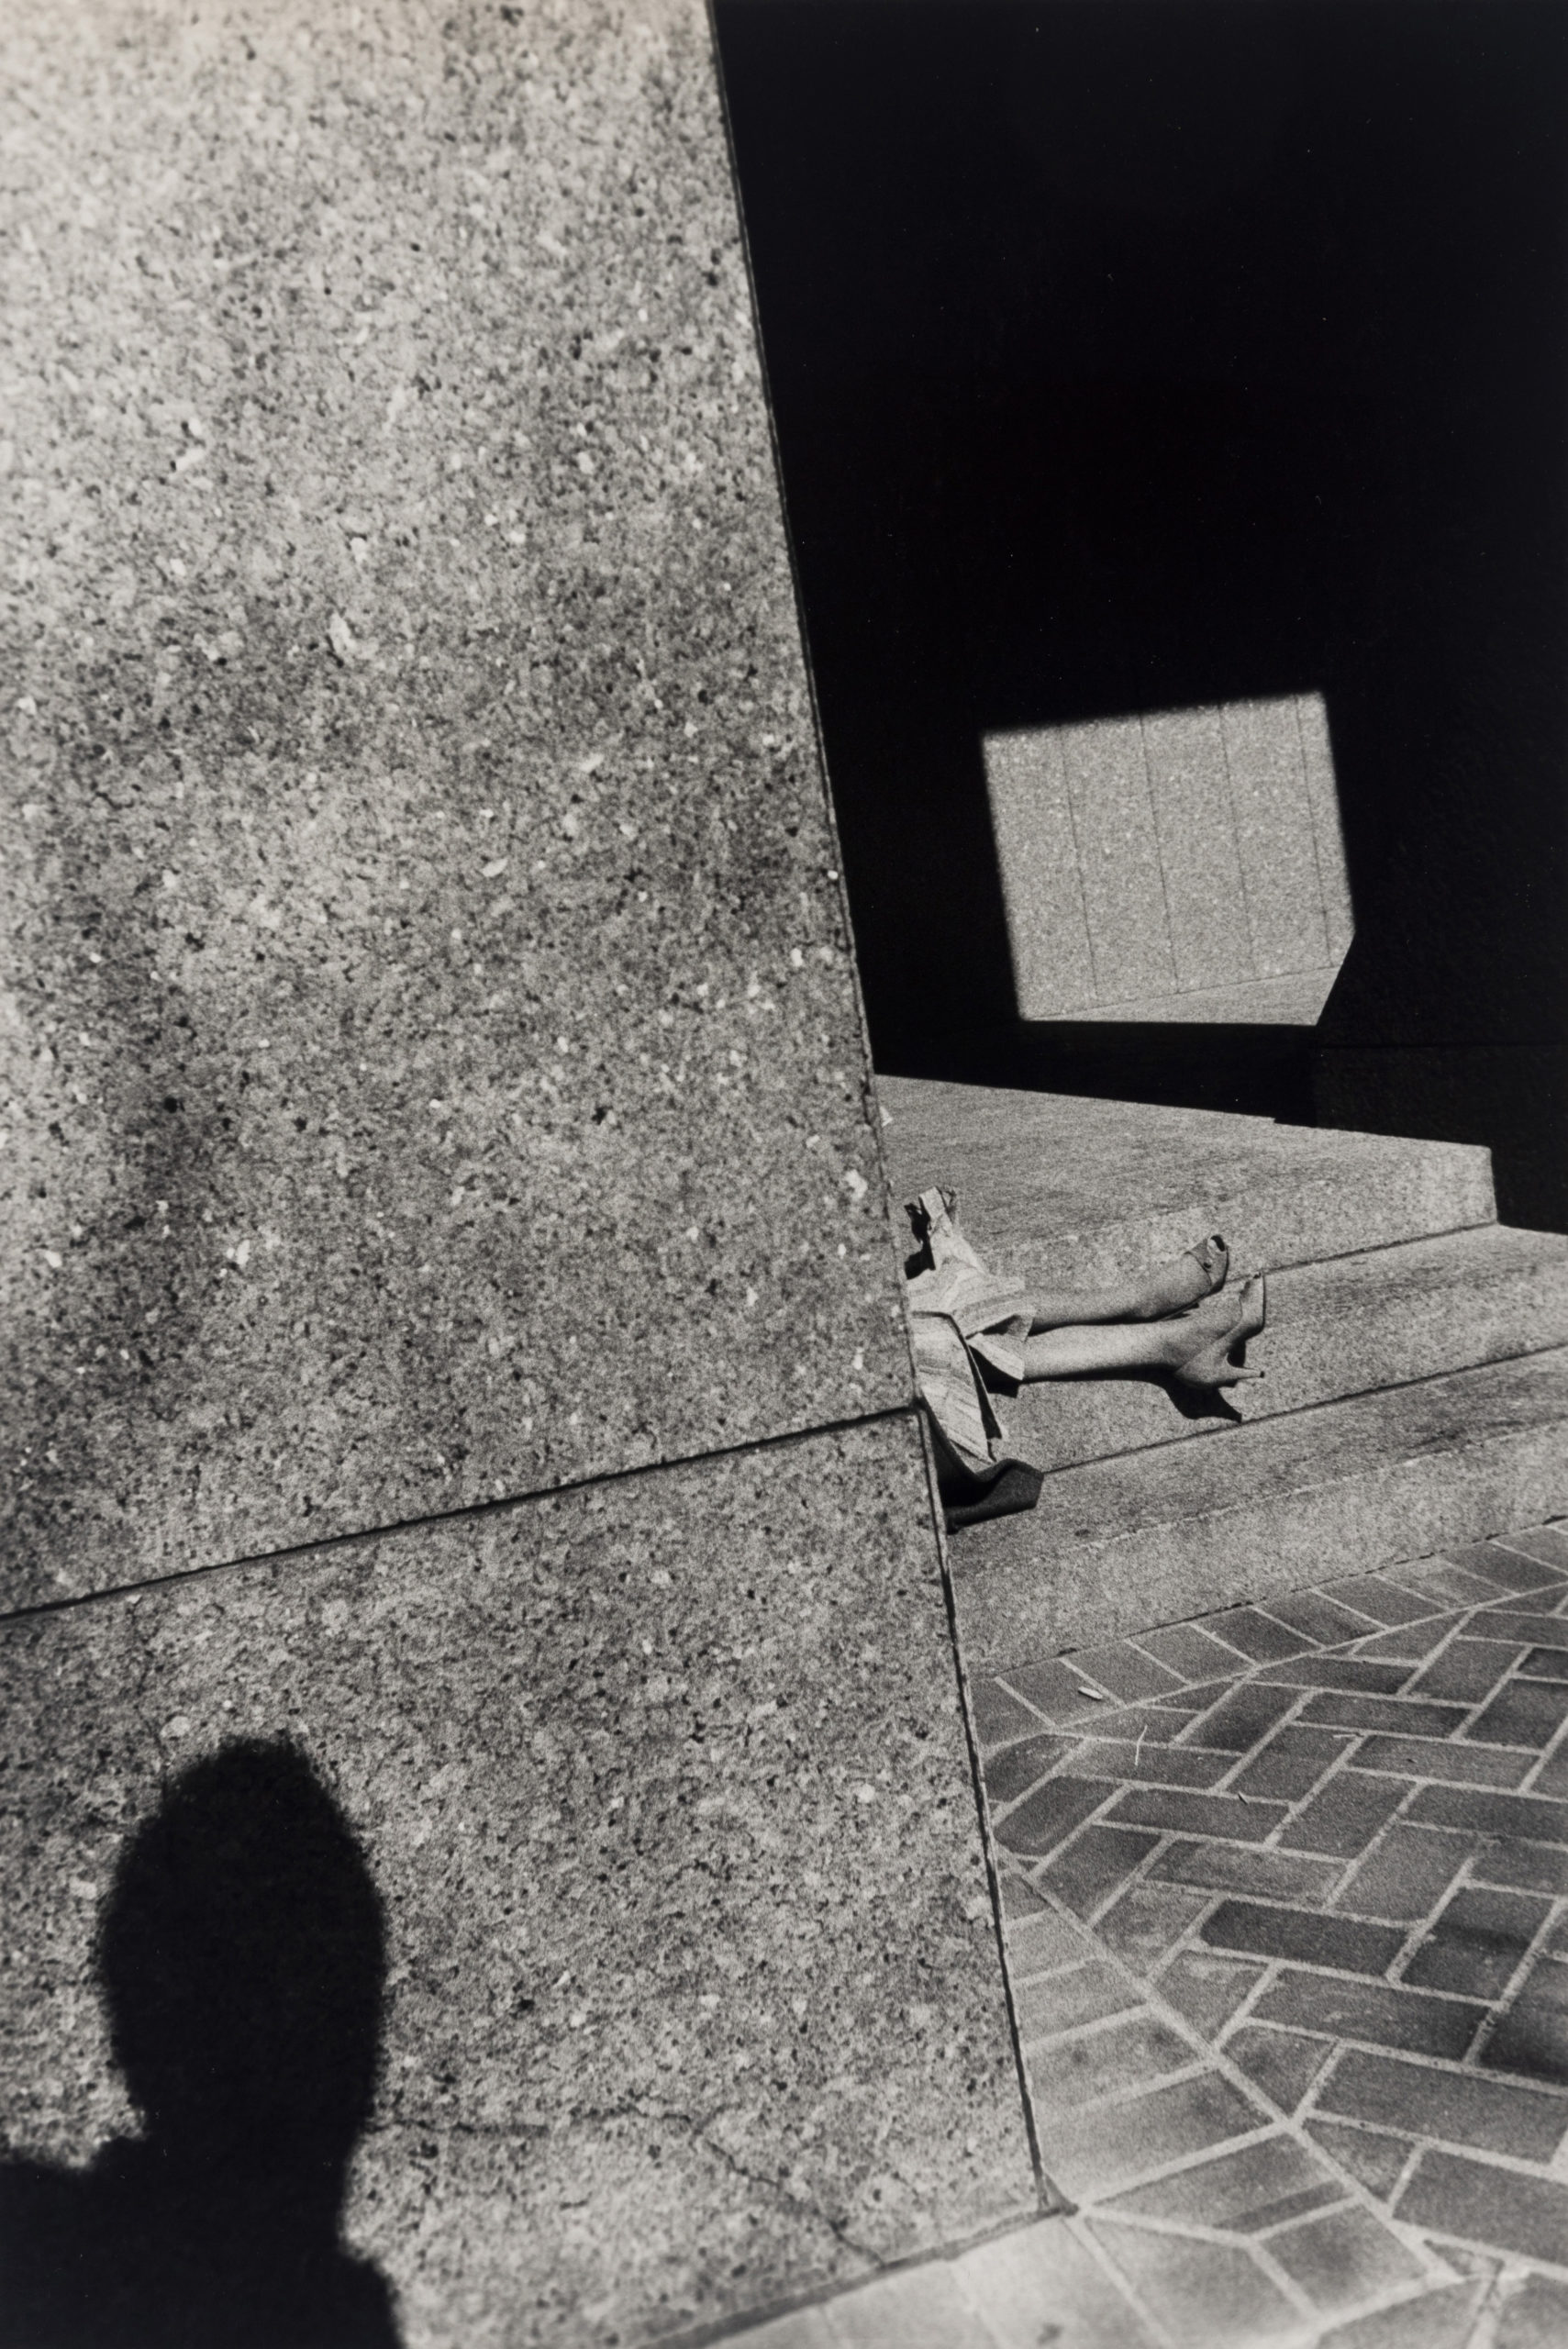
pixel 431 1063
pixel 1359 2144
pixel 648 1890
pixel 920 2307
pixel 1048 926
pixel 1044 2283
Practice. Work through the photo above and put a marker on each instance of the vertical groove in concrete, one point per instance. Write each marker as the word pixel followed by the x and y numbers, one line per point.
pixel 1159 851
pixel 1209 828
pixel 1236 832
pixel 1050 2197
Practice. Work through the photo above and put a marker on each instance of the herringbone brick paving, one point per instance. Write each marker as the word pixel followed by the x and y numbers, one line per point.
pixel 1287 1937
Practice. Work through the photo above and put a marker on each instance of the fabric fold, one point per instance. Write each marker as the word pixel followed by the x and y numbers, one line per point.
pixel 964 1320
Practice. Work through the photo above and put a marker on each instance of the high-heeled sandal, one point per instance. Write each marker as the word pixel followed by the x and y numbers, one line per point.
pixel 1209 1365
pixel 1170 1288
pixel 1213 1260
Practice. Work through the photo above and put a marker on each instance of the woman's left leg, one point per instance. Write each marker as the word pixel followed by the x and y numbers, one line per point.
pixel 1170 1288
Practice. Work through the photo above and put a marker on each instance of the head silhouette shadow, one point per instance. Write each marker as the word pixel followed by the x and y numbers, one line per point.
pixel 241 1960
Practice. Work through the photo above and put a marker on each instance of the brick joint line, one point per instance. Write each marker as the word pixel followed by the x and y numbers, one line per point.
pixel 1473 1865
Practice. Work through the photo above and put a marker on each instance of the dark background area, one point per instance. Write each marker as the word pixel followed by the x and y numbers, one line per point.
pixel 1128 357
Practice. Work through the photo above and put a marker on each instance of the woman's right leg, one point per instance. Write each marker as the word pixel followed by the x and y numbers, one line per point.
pixel 1078 1351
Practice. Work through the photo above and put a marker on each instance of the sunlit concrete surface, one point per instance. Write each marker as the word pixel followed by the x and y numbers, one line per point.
pixel 430 1063
pixel 1185 865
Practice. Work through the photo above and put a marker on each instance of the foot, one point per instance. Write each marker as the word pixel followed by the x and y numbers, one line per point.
pixel 1200 1347
pixel 1172 1288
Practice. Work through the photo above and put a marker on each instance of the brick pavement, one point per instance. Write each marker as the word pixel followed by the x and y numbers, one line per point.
pixel 1286 1919
pixel 1286 1896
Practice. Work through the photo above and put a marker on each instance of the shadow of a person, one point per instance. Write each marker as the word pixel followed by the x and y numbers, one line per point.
pixel 241 1958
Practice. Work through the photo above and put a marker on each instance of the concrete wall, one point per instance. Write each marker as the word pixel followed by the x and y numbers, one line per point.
pixel 433 1078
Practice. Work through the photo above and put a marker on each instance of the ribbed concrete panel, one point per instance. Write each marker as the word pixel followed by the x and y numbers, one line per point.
pixel 1119 860
pixel 1274 838
pixel 1199 854
pixel 1033 818
pixel 1317 762
pixel 1200 867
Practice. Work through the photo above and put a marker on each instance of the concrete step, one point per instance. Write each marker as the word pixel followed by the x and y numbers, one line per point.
pixel 1054 1186
pixel 1156 1536
pixel 1380 1318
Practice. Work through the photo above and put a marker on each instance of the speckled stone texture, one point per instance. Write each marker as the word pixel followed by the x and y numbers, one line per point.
pixel 431 1061
pixel 694 2000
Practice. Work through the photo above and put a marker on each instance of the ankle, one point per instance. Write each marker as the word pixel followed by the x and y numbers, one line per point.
pixel 1185 1334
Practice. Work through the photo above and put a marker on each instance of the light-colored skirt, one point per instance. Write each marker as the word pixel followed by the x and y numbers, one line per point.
pixel 962 1317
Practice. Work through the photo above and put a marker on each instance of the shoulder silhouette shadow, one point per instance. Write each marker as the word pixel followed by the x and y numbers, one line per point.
pixel 241 1959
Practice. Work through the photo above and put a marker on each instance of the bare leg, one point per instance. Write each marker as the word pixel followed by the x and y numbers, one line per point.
pixel 1194 1346
pixel 1170 1288
pixel 1070 1353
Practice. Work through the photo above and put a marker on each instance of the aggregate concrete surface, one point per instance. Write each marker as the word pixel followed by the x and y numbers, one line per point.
pixel 693 1996
pixel 430 1063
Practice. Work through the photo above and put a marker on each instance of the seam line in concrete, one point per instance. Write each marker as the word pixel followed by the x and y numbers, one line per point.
pixel 1050 2200
pixel 323 1544
pixel 1300 1410
pixel 1312 827
pixel 1236 834
pixel 1388 1247
pixel 1159 847
pixel 1078 867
